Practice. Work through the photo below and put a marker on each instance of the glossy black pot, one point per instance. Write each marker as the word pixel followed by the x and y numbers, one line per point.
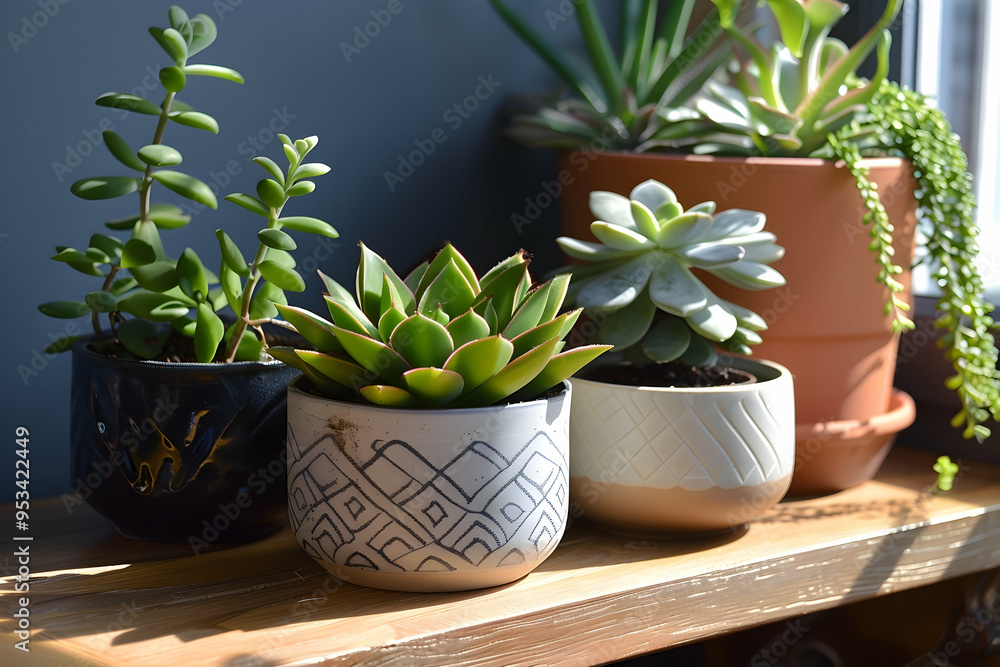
pixel 186 453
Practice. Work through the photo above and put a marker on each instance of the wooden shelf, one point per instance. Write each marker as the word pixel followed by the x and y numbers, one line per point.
pixel 99 597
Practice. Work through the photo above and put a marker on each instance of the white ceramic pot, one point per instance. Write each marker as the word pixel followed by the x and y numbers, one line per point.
pixel 427 500
pixel 655 461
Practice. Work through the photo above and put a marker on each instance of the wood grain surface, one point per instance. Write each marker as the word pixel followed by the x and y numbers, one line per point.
pixel 98 598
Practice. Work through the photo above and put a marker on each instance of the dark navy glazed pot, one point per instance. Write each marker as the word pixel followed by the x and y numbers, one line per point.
pixel 185 453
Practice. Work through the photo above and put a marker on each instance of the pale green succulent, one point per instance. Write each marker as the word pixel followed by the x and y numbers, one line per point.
pixel 639 286
pixel 440 338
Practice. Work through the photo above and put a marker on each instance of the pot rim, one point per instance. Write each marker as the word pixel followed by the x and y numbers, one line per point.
pixel 797 162
pixel 82 347
pixel 293 388
pixel 740 363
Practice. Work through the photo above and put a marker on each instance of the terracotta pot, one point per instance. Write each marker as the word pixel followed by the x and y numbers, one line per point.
pixel 827 325
pixel 427 500
pixel 657 461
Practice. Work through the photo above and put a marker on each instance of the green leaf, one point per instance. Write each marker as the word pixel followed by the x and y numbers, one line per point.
pixel 388 396
pixel 66 310
pixel 173 79
pixel 175 45
pixel 232 286
pixel 185 326
pixel 265 302
pixel 512 377
pixel 88 268
pixel 339 370
pixel 271 193
pixel 667 340
pixel 416 275
pixel 141 338
pixel 700 353
pixel 529 314
pixel 467 327
pixel 447 255
pixel 313 328
pixel 556 328
pixel 128 103
pixel 208 333
pixel 153 306
pixel 70 255
pixel 675 290
pixel 626 327
pixel 159 155
pixel 391 318
pixel 281 276
pixel 271 167
pixel 275 238
pixel 167 216
pixel 62 345
pixel 561 367
pixel 195 119
pixel 369 285
pixel 123 285
pixel 121 151
pixel 148 232
pixel 376 357
pixel 345 302
pixel 503 293
pixel 422 342
pixel 186 186
pixel 714 321
pixel 178 19
pixel 620 238
pixel 309 225
pixel 250 203
pixel 109 245
pixel 191 276
pixel 104 187
pixel 310 170
pixel 122 224
pixel 433 387
pixel 231 254
pixel 450 290
pixel 301 188
pixel 137 253
pixel 203 33
pixel 159 276
pixel 214 71
pixel 479 360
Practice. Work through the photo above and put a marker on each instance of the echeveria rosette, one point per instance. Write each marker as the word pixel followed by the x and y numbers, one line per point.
pixel 441 338
pixel 639 283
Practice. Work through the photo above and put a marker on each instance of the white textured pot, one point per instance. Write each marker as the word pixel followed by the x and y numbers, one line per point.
pixel 653 461
pixel 427 500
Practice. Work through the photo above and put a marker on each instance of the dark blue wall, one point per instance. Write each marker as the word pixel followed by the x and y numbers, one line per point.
pixel 59 55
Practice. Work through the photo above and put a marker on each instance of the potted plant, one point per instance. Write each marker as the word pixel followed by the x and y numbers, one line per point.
pixel 176 421
pixel 843 164
pixel 675 438
pixel 427 438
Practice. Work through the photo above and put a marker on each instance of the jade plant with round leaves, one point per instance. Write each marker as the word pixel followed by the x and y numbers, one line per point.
pixel 139 279
pixel 441 338
pixel 638 283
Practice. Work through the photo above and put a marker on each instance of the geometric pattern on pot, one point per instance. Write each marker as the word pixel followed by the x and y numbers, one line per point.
pixel 664 439
pixel 386 508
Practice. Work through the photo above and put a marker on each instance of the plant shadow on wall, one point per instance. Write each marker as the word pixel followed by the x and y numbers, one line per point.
pixel 427 439
pixel 792 115
pixel 170 408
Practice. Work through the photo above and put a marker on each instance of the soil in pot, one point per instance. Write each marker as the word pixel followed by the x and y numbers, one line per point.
pixel 670 374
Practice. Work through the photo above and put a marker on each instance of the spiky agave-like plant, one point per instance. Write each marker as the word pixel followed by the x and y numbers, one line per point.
pixel 638 284
pixel 440 338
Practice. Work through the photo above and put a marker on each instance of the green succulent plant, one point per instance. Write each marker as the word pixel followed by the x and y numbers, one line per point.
pixel 441 338
pixel 139 279
pixel 630 101
pixel 272 262
pixel 785 100
pixel 637 281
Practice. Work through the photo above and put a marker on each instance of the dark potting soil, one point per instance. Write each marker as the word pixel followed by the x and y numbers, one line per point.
pixel 670 374
pixel 178 349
